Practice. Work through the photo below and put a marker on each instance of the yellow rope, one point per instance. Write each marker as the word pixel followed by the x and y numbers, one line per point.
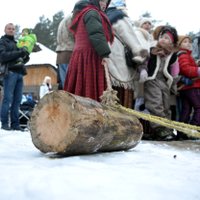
pixel 109 97
pixel 190 130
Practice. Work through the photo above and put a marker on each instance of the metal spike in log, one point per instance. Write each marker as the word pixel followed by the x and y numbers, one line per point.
pixel 68 124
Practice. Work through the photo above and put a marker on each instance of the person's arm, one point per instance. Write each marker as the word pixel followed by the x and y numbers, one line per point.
pixel 96 34
pixel 7 55
pixel 187 67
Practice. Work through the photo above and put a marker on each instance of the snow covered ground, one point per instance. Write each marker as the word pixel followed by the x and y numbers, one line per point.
pixel 150 171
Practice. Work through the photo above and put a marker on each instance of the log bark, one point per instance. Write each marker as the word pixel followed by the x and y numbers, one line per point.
pixel 68 124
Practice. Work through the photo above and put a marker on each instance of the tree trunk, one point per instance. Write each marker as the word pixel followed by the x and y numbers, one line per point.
pixel 67 124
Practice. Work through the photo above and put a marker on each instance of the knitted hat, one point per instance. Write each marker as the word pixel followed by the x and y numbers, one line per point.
pixel 144 20
pixel 117 3
pixel 181 38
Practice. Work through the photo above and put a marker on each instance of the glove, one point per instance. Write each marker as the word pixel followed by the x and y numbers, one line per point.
pixel 26 59
pixel 143 76
pixel 23 52
pixel 186 81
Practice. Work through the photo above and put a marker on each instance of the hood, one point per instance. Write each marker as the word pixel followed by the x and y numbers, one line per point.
pixel 83 3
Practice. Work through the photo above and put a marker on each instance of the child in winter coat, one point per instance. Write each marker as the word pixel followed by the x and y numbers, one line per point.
pixel 143 33
pixel 158 77
pixel 190 91
pixel 27 40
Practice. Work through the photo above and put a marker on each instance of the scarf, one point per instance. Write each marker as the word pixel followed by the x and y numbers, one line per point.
pixel 105 22
pixel 163 51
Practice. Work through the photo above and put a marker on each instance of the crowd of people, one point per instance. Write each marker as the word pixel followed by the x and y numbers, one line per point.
pixel 164 79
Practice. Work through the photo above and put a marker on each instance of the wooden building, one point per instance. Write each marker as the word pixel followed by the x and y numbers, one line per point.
pixel 41 64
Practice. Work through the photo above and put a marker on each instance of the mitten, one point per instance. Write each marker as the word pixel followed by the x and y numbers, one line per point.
pixel 144 53
pixel 139 59
pixel 22 52
pixel 141 56
pixel 26 59
pixel 143 76
pixel 175 69
pixel 186 81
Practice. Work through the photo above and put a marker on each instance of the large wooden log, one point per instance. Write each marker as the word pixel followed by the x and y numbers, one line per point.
pixel 67 124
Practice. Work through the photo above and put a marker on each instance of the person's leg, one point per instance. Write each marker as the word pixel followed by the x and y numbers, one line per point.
pixel 194 98
pixel 186 107
pixel 9 85
pixel 15 106
pixel 62 70
pixel 185 111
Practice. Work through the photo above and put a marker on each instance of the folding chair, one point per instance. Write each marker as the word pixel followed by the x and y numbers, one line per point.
pixel 24 118
pixel 24 115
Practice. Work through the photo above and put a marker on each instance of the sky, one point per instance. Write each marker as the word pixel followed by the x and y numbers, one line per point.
pixel 150 171
pixel 184 16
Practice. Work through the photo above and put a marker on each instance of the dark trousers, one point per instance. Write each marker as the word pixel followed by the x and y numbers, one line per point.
pixel 190 111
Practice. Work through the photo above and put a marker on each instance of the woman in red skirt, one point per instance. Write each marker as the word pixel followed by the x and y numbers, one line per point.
pixel 92 31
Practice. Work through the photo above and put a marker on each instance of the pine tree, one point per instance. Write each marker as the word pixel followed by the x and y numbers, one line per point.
pixel 46 30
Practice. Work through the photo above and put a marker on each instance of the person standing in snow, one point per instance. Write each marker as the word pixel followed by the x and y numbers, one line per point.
pixel 159 76
pixel 189 94
pixel 92 31
pixel 143 32
pixel 122 75
pixel 65 45
pixel 13 81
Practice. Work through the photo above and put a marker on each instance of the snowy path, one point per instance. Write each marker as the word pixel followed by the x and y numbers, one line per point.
pixel 150 171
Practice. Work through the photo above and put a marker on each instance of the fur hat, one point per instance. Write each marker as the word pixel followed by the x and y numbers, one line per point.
pixel 157 31
pixel 181 38
pixel 167 29
pixel 144 20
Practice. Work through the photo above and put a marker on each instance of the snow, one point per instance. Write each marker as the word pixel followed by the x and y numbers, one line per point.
pixel 44 56
pixel 151 170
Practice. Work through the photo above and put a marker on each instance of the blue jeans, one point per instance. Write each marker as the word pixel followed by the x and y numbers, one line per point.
pixel 13 89
pixel 62 70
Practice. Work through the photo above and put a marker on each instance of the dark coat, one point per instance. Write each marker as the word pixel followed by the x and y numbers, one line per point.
pixel 9 53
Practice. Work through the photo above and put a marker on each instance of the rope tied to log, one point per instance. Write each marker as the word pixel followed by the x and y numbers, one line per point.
pixel 110 98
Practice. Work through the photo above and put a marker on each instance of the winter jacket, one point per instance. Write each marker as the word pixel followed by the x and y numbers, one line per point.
pixel 27 41
pixel 154 65
pixel 93 22
pixel 65 41
pixel 145 38
pixel 121 74
pixel 9 53
pixel 188 68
